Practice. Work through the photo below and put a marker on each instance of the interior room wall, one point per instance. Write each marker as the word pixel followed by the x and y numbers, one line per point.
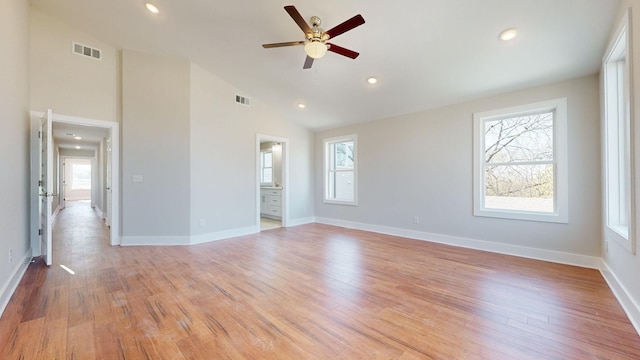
pixel 224 155
pixel 14 145
pixel 624 265
pixel 155 147
pixel 67 83
pixel 421 165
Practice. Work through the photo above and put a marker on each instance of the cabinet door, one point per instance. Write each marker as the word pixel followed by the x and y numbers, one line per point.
pixel 263 204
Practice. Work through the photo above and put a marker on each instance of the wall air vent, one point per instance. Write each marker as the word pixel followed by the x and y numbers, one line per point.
pixel 243 100
pixel 87 51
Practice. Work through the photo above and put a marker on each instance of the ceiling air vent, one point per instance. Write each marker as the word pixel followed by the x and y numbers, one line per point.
pixel 242 100
pixel 87 51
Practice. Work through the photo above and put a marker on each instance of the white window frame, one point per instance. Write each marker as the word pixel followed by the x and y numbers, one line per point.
pixel 618 140
pixel 262 167
pixel 327 169
pixel 560 163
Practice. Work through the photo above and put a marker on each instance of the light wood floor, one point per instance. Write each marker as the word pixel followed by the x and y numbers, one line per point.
pixel 268 224
pixel 307 292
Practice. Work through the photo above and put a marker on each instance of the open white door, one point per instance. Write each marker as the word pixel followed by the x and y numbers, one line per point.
pixel 46 186
pixel 108 181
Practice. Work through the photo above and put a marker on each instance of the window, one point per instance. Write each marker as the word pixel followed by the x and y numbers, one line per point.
pixel 520 162
pixel 617 140
pixel 340 175
pixel 80 176
pixel 266 167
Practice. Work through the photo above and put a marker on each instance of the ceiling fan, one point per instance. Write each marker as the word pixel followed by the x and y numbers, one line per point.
pixel 315 43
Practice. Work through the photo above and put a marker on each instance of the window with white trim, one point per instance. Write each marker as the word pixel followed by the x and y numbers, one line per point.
pixel 340 170
pixel 266 167
pixel 520 162
pixel 619 219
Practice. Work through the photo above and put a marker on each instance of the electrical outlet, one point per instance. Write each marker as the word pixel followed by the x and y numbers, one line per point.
pixel 10 255
pixel 606 246
pixel 203 222
pixel 416 220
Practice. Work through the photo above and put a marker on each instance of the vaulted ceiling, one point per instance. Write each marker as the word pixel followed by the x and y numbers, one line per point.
pixel 424 53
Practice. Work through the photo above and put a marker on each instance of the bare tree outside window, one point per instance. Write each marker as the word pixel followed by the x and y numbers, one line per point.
pixel 518 155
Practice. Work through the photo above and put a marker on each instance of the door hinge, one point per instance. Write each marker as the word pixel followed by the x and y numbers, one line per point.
pixel 39 134
pixel 39 231
pixel 39 182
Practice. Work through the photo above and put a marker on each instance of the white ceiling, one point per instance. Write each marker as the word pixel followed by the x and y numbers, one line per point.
pixel 425 53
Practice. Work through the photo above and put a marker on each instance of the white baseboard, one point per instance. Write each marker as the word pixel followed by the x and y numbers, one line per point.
pixel 153 240
pixel 99 211
pixel 630 306
pixel 586 261
pixel 187 240
pixel 224 234
pixel 10 286
pixel 300 221
pixel 55 214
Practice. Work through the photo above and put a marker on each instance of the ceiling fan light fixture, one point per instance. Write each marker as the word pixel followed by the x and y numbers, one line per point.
pixel 315 49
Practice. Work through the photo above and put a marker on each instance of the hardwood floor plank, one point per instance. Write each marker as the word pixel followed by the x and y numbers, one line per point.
pixel 307 292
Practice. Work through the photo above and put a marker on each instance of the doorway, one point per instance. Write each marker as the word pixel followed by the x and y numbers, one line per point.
pixel 105 155
pixel 272 183
pixel 76 180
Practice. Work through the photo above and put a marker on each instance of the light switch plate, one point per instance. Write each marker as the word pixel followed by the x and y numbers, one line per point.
pixel 137 178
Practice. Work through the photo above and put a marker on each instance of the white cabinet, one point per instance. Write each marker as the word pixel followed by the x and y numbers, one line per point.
pixel 271 203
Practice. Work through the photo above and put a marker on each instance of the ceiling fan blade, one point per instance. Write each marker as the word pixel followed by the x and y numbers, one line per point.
pixel 290 43
pixel 308 62
pixel 346 26
pixel 293 12
pixel 342 51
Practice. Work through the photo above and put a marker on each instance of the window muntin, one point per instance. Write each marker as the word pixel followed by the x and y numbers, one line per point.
pixel 340 170
pixel 520 162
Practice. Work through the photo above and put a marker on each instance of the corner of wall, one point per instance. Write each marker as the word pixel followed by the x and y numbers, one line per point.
pixel 626 300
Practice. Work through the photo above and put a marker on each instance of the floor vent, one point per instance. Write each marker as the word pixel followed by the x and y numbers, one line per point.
pixel 242 100
pixel 87 51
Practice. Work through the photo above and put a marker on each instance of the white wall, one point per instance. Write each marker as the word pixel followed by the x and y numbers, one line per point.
pixel 624 265
pixel 71 84
pixel 14 143
pixel 223 157
pixel 155 145
pixel 421 165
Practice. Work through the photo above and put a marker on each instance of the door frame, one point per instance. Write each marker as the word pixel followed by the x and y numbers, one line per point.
pixel 260 138
pixel 114 132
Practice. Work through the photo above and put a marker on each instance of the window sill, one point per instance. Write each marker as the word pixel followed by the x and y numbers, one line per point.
pixel 522 215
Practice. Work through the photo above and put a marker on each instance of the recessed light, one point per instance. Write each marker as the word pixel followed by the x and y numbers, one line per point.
pixel 154 9
pixel 508 34
pixel 78 137
pixel 77 147
pixel 302 106
pixel 372 80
